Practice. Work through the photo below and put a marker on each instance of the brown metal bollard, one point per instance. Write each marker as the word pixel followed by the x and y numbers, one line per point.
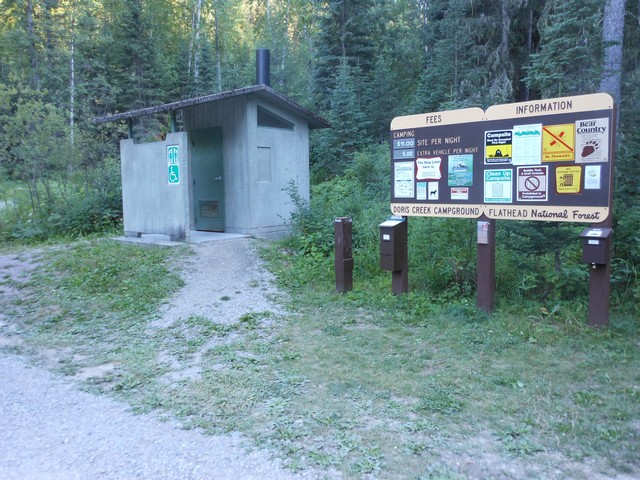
pixel 344 254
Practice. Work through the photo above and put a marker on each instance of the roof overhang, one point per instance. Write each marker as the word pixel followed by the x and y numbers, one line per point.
pixel 261 91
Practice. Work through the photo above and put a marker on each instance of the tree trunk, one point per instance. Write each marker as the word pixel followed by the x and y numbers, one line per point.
pixel 196 47
pixel 505 23
pixel 503 71
pixel 72 82
pixel 526 97
pixel 35 77
pixel 47 22
pixel 343 30
pixel 36 205
pixel 423 6
pixel 612 37
pixel 455 67
pixel 285 43
pixel 218 53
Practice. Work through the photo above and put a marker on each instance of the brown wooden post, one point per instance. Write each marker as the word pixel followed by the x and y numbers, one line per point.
pixel 486 264
pixel 343 254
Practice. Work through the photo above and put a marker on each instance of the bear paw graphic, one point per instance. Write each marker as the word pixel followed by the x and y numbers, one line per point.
pixel 590 147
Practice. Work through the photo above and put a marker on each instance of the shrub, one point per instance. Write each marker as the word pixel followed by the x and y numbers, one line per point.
pixel 537 262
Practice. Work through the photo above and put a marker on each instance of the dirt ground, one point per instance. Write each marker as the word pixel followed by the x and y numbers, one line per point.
pixel 53 430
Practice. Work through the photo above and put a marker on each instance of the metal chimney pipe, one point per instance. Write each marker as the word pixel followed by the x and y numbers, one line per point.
pixel 263 67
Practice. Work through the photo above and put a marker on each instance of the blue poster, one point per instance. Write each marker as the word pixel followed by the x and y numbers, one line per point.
pixel 461 170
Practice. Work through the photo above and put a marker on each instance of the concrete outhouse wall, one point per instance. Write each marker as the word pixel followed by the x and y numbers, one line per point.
pixel 277 158
pixel 259 163
pixel 150 203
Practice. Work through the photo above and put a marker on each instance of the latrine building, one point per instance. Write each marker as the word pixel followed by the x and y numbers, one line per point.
pixel 228 170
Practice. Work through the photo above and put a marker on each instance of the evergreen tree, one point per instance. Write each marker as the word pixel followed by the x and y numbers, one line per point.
pixel 336 147
pixel 398 64
pixel 466 62
pixel 524 40
pixel 569 60
pixel 344 37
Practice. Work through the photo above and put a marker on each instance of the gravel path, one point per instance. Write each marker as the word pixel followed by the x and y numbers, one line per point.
pixel 223 281
pixel 52 430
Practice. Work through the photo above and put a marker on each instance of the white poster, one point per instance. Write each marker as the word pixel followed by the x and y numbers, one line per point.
pixel 460 193
pixel 433 191
pixel 592 141
pixel 592 177
pixel 429 168
pixel 498 186
pixel 527 145
pixel 403 180
pixel 421 190
pixel 533 184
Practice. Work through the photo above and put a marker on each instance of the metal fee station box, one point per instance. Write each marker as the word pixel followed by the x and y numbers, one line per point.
pixel 596 245
pixel 393 244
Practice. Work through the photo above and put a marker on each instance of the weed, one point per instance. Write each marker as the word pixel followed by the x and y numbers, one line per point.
pixel 417 447
pixel 287 431
pixel 369 460
pixel 333 330
pixel 517 439
pixel 249 321
pixel 439 399
pixel 288 355
pixel 438 471
pixel 420 425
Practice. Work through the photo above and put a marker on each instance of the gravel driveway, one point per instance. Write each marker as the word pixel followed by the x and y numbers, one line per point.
pixel 52 430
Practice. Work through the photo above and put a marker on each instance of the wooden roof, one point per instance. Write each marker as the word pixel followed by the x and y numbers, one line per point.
pixel 262 91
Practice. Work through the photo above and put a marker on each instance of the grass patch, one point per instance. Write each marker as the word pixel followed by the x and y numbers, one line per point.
pixel 112 278
pixel 90 304
pixel 365 383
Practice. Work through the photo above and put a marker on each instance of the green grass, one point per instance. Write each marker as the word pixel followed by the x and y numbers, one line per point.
pixel 364 383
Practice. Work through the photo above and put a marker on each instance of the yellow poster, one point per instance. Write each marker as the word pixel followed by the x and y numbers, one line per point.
pixel 558 142
pixel 568 179
pixel 497 146
pixel 498 153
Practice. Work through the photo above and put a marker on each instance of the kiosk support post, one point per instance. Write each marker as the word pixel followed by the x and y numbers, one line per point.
pixel 486 264
pixel 400 278
pixel 599 292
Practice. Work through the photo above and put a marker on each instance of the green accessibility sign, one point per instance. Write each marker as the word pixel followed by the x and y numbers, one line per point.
pixel 173 164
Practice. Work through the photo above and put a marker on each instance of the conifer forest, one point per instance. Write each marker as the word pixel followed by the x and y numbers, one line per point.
pixel 356 63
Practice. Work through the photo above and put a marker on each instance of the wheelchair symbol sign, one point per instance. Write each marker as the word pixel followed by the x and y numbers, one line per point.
pixel 174 174
pixel 174 166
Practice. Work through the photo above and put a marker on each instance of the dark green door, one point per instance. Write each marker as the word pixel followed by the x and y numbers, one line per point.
pixel 208 181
